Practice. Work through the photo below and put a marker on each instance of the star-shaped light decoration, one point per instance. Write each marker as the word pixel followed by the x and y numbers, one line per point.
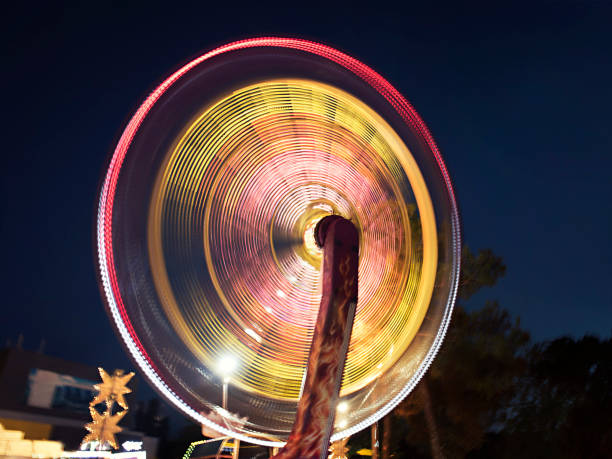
pixel 103 427
pixel 113 388
pixel 338 449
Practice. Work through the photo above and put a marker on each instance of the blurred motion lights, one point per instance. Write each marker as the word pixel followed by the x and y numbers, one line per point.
pixel 206 234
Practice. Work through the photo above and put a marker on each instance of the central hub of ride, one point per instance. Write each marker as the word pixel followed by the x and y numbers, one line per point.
pixel 310 243
pixel 294 221
pixel 305 226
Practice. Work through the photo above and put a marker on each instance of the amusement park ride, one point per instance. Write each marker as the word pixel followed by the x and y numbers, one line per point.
pixel 252 195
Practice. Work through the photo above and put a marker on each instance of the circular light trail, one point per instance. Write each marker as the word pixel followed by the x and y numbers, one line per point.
pixel 253 174
pixel 211 248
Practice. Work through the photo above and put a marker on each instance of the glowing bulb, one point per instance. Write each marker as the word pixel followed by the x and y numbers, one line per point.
pixel 309 238
pixel 342 407
pixel 252 334
pixel 227 365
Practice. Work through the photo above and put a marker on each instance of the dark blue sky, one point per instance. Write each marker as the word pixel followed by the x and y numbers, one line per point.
pixel 517 97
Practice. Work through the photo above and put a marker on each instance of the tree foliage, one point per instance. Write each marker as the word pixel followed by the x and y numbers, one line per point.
pixel 494 394
pixel 563 407
pixel 473 381
pixel 478 271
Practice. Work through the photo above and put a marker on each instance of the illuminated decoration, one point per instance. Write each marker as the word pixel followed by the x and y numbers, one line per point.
pixel 95 449
pixel 113 388
pixel 215 448
pixel 205 234
pixel 94 445
pixel 103 427
pixel 192 446
pixel 132 445
pixel 338 449
pixel 13 444
pixel 104 454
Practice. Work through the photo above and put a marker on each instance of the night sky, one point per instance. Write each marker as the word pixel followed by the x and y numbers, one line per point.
pixel 517 97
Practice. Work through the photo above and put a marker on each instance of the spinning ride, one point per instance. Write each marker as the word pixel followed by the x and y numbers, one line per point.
pixel 206 226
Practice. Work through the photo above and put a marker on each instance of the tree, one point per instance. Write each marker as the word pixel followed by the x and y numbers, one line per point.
pixel 473 380
pixel 563 409
pixel 478 271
